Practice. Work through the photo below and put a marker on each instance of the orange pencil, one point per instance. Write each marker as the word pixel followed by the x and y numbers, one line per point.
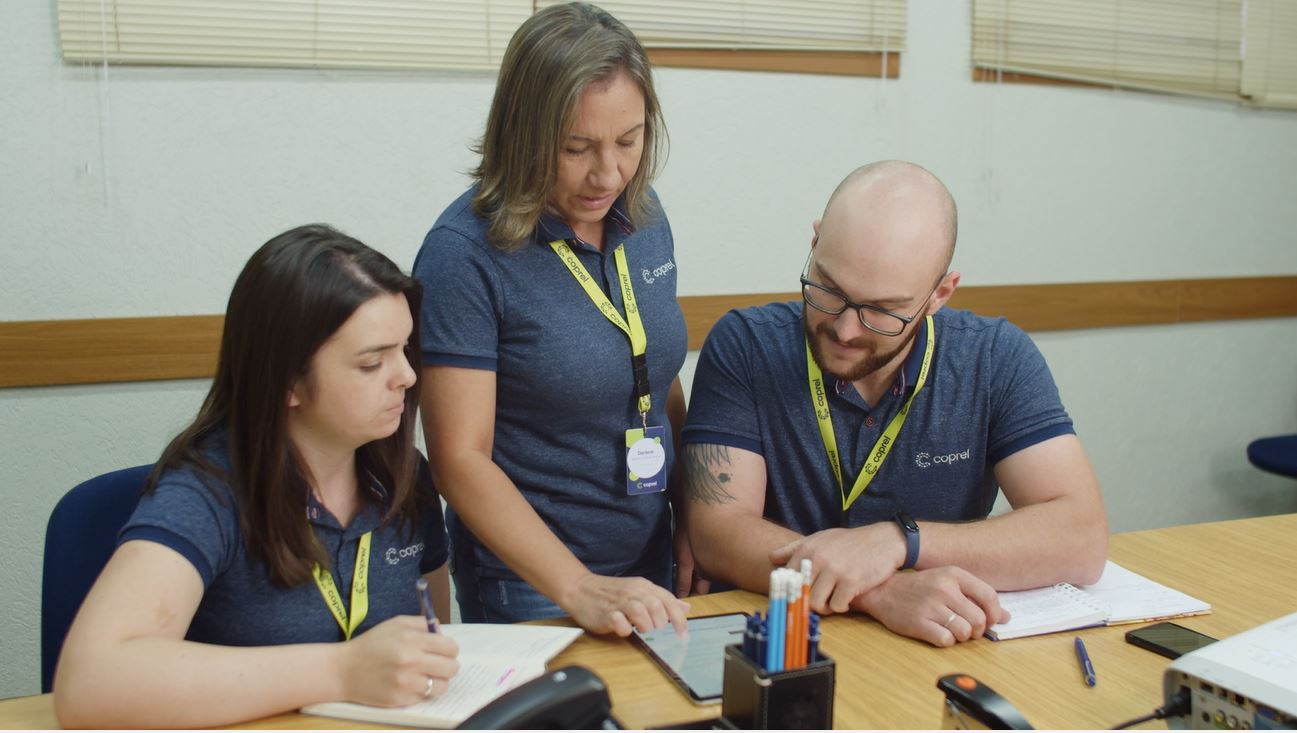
pixel 804 622
pixel 798 636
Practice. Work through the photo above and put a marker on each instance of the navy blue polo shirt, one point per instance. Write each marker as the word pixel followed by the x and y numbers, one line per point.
pixel 195 514
pixel 565 389
pixel 988 395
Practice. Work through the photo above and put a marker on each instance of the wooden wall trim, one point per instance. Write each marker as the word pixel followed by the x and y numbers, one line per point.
pixel 45 353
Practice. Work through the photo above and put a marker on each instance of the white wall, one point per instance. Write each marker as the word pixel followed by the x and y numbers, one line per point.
pixel 144 193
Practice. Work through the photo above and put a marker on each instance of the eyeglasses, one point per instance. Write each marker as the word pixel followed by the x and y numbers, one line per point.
pixel 883 322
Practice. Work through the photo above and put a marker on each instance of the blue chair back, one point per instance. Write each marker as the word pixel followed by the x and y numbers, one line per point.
pixel 1276 455
pixel 80 537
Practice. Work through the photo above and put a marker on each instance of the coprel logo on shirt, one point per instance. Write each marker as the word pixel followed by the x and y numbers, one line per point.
pixel 395 555
pixel 651 275
pixel 924 459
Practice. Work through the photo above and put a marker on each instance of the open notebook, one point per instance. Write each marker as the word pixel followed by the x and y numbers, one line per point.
pixel 493 659
pixel 1120 597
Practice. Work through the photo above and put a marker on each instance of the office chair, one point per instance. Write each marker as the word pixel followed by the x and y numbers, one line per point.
pixel 1276 455
pixel 79 539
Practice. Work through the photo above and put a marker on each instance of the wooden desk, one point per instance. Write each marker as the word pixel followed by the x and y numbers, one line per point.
pixel 1244 568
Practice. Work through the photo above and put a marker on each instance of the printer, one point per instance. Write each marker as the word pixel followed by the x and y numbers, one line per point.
pixel 1245 682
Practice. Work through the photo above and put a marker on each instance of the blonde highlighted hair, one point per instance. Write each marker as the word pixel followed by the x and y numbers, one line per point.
pixel 551 59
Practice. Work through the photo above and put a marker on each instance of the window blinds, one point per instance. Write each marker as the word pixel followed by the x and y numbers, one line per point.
pixel 1183 46
pixel 1270 53
pixel 808 25
pixel 445 34
pixel 405 34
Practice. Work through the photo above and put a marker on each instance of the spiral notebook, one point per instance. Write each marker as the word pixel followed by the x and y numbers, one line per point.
pixel 1120 597
pixel 493 659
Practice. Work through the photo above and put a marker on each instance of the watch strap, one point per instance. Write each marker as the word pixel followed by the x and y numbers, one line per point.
pixel 910 530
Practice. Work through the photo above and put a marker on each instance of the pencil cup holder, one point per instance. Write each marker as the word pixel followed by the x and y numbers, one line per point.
pixel 754 699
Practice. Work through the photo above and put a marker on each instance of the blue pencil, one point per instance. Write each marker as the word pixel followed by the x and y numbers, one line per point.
pixel 780 615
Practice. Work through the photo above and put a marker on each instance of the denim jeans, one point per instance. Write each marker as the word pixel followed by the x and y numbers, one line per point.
pixel 495 600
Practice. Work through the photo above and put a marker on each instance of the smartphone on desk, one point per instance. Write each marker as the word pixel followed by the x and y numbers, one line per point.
pixel 1168 639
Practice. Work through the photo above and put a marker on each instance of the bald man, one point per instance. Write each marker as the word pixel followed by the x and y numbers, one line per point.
pixel 869 429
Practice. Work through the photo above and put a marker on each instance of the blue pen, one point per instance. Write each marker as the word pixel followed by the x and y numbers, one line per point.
pixel 1087 668
pixel 750 636
pixel 813 639
pixel 760 657
pixel 767 656
pixel 425 602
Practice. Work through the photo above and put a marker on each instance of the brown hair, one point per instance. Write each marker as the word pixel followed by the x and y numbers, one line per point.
pixel 294 293
pixel 551 59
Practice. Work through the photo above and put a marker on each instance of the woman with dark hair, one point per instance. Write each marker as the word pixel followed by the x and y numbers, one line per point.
pixel 294 512
pixel 552 341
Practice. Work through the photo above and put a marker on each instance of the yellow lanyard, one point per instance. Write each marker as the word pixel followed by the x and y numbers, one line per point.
pixel 820 402
pixel 359 590
pixel 631 325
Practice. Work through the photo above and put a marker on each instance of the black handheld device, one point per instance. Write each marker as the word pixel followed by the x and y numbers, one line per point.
pixel 971 705
pixel 1168 639
pixel 565 699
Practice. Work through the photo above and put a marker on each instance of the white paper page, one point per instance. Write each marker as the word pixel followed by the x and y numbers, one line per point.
pixel 1045 610
pixel 474 686
pixel 1132 597
pixel 510 641
pixel 493 658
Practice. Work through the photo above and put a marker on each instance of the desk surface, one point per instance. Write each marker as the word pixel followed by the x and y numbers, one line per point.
pixel 1244 568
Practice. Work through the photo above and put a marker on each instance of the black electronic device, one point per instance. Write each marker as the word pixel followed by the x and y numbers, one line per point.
pixel 971 705
pixel 571 698
pixel 1168 639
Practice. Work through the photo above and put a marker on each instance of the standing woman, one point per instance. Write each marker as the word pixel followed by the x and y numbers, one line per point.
pixel 552 341
pixel 294 513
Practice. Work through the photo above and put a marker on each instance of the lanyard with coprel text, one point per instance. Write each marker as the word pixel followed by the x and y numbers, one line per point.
pixel 631 325
pixel 348 622
pixel 820 403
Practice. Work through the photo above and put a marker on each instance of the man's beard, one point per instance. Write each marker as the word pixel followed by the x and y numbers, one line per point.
pixel 871 362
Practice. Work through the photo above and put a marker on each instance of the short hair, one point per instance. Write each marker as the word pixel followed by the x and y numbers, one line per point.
pixel 883 168
pixel 293 294
pixel 551 59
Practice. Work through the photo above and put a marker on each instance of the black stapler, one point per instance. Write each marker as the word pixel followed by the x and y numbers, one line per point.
pixel 971 705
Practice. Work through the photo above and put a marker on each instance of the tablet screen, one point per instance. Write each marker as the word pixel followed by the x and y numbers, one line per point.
pixel 696 661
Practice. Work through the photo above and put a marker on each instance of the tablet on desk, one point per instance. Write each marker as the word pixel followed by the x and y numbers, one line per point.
pixel 695 661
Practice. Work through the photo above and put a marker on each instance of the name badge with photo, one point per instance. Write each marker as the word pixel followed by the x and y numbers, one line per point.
pixel 646 458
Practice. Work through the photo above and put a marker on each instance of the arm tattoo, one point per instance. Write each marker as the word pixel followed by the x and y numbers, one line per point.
pixel 708 473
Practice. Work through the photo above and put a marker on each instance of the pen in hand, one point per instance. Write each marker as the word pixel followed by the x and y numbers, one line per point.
pixel 425 602
pixel 1087 668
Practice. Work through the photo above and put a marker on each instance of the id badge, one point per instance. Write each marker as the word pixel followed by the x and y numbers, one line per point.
pixel 646 458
